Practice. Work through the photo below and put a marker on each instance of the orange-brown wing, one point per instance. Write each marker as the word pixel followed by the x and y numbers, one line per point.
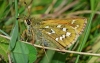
pixel 62 32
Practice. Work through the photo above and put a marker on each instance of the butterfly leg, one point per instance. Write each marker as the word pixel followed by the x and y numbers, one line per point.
pixel 26 37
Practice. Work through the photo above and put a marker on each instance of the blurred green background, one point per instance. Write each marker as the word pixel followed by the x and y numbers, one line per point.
pixel 89 41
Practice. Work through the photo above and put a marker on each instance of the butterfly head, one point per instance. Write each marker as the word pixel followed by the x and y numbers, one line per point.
pixel 27 22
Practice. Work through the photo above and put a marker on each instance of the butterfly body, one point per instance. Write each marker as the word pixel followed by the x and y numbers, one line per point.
pixel 57 33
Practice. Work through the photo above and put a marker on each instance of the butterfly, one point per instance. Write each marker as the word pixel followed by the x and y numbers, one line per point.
pixel 55 33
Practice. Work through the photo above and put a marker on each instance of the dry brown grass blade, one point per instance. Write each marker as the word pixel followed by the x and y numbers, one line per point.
pixel 67 51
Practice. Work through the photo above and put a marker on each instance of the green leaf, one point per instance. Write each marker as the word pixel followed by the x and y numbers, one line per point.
pixel 24 53
pixel 20 53
pixel 32 53
pixel 3 48
pixel 14 37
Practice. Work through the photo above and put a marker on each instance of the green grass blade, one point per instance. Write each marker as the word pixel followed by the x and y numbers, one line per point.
pixel 14 35
pixel 48 57
pixel 4 33
pixel 87 30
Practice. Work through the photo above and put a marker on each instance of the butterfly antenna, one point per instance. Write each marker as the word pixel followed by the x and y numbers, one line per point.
pixel 28 6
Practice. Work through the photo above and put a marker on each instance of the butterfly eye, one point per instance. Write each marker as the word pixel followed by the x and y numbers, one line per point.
pixel 28 21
